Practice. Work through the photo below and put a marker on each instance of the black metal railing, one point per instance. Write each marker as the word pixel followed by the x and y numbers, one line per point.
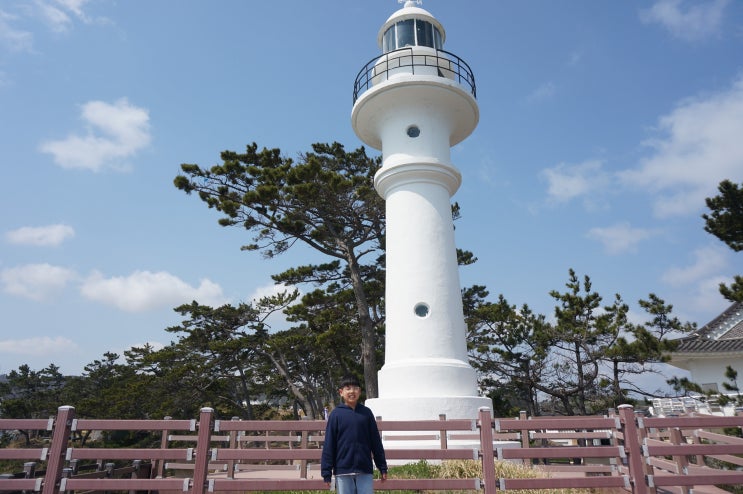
pixel 407 60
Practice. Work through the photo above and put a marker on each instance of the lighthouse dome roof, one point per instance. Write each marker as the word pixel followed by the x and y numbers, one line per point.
pixel 410 11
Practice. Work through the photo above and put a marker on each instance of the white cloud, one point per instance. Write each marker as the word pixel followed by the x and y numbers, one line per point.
pixel 702 147
pixel 708 298
pixel 13 39
pixel 567 182
pixel 51 235
pixel 74 6
pixel 35 281
pixel 708 263
pixel 144 290
pixel 543 92
pixel 575 58
pixel 620 238
pixel 56 18
pixel 60 15
pixel 268 290
pixel 115 132
pixel 697 21
pixel 39 347
pixel 698 284
pixel 276 321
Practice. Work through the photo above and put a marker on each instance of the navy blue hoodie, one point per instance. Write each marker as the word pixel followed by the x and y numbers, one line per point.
pixel 351 438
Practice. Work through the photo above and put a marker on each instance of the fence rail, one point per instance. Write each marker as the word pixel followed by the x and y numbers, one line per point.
pixel 623 451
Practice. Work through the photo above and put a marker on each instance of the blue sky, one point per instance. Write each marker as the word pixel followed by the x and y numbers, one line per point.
pixel 603 126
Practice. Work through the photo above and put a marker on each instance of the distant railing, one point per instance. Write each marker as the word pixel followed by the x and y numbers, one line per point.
pixel 712 405
pixel 619 451
pixel 414 61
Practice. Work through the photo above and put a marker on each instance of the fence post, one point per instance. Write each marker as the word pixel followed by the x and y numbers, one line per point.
pixel 159 470
pixel 304 442
pixel 110 469
pixel 29 469
pixel 232 445
pixel 203 441
pixel 57 449
pixel 698 459
pixel 524 432
pixel 681 461
pixel 485 422
pixel 442 433
pixel 633 449
pixel 136 469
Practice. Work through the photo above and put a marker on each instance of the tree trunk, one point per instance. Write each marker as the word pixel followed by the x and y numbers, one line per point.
pixel 368 333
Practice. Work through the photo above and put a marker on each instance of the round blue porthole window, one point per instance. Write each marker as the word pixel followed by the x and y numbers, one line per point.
pixel 421 310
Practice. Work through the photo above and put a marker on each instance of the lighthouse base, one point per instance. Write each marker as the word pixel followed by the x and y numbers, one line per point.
pixel 428 408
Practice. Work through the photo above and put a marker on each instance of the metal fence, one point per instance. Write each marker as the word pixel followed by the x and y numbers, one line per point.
pixel 414 61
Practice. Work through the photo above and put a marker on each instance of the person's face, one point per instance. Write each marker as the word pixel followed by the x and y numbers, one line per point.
pixel 350 395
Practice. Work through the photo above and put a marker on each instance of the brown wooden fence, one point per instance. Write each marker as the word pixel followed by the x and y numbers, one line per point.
pixel 618 452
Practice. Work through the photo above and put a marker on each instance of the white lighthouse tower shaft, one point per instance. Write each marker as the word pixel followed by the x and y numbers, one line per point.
pixel 414 103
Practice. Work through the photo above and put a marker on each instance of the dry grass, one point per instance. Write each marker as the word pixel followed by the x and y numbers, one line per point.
pixel 503 469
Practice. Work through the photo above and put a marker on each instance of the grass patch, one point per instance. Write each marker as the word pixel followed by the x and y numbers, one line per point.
pixel 463 469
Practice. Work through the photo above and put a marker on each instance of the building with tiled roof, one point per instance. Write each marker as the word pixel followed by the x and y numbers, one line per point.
pixel 707 352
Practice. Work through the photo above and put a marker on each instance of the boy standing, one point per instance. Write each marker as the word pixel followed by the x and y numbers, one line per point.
pixel 351 440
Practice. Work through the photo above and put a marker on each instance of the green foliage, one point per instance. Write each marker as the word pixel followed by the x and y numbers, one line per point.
pixel 684 386
pixel 218 357
pixel 726 218
pixel 726 223
pixel 508 347
pixel 325 200
pixel 585 363
pixel 507 398
pixel 419 470
pixel 730 387
pixel 734 291
pixel 638 347
pixel 110 389
pixel 229 358
pixel 580 339
pixel 32 394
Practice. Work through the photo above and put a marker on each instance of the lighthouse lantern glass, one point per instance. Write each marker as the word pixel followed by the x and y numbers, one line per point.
pixel 389 40
pixel 424 33
pixel 411 32
pixel 406 33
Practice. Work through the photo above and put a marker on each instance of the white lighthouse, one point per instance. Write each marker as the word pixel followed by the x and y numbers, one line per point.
pixel 414 103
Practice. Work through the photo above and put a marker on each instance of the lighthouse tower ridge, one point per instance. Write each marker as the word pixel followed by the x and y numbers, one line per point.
pixel 414 103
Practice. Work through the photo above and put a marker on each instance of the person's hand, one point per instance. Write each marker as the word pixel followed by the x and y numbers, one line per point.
pixel 384 476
